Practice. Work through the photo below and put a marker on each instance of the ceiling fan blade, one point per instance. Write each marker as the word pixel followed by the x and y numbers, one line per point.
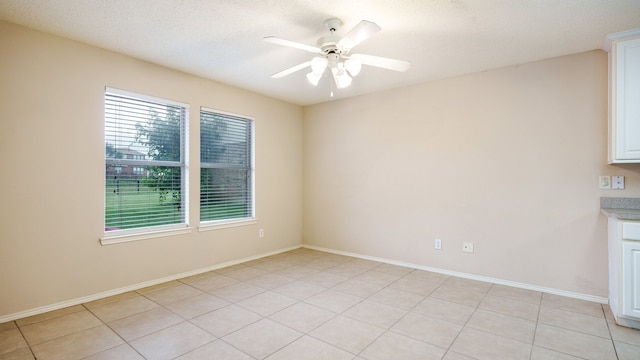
pixel 291 70
pixel 292 44
pixel 382 62
pixel 358 34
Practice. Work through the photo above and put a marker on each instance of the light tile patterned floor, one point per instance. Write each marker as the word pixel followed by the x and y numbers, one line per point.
pixel 306 304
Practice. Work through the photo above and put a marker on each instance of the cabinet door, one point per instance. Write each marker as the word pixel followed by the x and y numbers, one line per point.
pixel 625 105
pixel 631 278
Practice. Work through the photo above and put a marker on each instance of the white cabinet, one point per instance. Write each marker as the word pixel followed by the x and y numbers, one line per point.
pixel 631 278
pixel 624 92
pixel 624 271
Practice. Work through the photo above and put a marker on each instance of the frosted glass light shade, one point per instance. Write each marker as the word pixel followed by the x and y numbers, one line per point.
pixel 353 67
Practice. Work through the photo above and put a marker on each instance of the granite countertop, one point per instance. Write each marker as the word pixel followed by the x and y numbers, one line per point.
pixel 621 208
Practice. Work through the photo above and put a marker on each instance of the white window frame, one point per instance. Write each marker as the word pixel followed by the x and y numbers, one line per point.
pixel 142 233
pixel 207 225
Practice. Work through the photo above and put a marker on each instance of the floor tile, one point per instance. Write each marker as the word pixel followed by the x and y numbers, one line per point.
pixel 78 345
pixel 627 351
pixel 244 273
pixel 574 343
pixel 451 355
pixel 433 331
pixel 59 326
pixel 110 299
pixel 238 292
pixel 575 305
pixel 503 325
pixel 625 334
pixel 49 315
pixel 210 283
pixel 397 298
pixel 122 352
pixel 144 323
pixel 197 305
pixel 270 281
pixel 321 264
pixel 18 354
pixel 427 276
pixel 172 342
pixel 374 313
pixel 333 300
pixel 574 321
pixel 347 334
pixel 8 326
pixel 457 295
pixel 378 277
pixel 303 317
pixel 484 346
pixel 215 350
pixel 224 321
pixel 392 346
pixel 521 309
pixel 538 353
pixel 393 269
pixel 468 284
pixel 171 294
pixel 267 303
pixel 272 265
pixel 444 310
pixel 11 340
pixel 297 271
pixel 324 279
pixel 358 288
pixel 119 309
pixel 415 286
pixel 262 338
pixel 517 294
pixel 308 348
pixel 299 290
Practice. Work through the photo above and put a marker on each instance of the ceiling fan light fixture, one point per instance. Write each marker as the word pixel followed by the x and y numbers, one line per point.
pixel 353 66
pixel 314 77
pixel 318 65
pixel 341 78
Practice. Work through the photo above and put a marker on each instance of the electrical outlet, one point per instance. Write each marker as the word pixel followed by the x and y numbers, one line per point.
pixel 605 182
pixel 261 233
pixel 467 247
pixel 438 244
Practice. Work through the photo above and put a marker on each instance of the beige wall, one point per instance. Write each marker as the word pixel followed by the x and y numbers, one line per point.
pixel 507 159
pixel 51 183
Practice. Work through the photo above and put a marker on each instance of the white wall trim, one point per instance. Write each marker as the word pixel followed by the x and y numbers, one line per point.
pixel 570 294
pixel 101 295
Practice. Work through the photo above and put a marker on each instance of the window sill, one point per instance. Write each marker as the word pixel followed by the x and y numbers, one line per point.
pixel 222 224
pixel 121 236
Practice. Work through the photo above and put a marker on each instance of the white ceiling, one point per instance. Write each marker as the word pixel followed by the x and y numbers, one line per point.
pixel 222 39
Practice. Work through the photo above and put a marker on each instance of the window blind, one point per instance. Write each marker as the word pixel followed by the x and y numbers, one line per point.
pixel 226 168
pixel 144 166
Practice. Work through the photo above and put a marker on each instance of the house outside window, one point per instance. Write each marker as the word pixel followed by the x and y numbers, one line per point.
pixel 145 162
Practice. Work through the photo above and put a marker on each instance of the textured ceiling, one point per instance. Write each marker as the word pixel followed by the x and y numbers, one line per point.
pixel 222 40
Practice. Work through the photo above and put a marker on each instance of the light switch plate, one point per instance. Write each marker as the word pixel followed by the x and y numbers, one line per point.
pixel 605 182
pixel 618 182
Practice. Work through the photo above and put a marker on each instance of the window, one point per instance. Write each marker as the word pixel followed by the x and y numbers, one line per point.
pixel 145 164
pixel 226 167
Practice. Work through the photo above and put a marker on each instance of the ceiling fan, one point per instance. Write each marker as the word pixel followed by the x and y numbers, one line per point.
pixel 333 53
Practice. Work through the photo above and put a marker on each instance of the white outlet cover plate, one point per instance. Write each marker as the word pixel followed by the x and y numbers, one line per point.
pixel 467 247
pixel 618 182
pixel 605 182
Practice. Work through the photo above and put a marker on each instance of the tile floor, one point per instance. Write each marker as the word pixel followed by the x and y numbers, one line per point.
pixel 306 304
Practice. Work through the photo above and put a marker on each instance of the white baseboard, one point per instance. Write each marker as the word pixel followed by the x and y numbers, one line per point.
pixel 587 297
pixel 101 295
